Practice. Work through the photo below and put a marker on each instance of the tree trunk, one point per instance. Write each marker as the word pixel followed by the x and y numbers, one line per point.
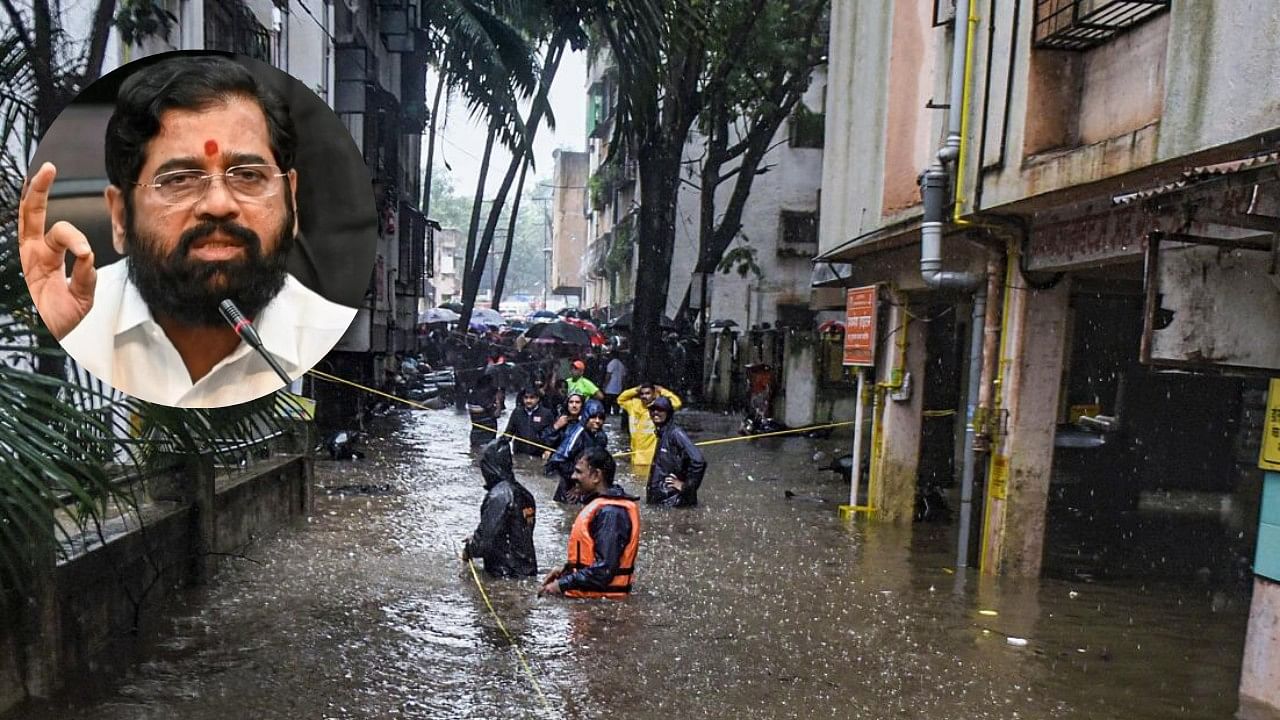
pixel 659 189
pixel 500 285
pixel 469 259
pixel 431 148
pixel 554 52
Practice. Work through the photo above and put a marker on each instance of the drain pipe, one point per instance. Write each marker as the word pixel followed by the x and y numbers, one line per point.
pixel 935 191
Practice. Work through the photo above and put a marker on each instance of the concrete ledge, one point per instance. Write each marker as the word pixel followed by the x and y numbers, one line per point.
pixel 106 600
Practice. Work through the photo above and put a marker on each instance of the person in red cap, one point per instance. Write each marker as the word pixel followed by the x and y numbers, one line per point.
pixel 578 383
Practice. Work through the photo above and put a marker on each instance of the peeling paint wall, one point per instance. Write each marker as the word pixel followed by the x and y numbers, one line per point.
pixel 1224 61
pixel 857 90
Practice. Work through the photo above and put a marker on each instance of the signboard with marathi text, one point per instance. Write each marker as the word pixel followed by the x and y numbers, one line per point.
pixel 860 326
pixel 1269 457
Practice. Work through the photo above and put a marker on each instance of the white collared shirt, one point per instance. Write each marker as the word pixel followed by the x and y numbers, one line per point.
pixel 121 343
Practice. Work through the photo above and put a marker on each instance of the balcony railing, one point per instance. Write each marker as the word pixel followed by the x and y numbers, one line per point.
pixel 1083 24
pixel 231 26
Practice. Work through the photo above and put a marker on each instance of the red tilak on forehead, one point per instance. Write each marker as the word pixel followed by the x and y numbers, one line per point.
pixel 210 147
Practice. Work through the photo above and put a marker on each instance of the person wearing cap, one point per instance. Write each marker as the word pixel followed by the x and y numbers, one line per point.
pixel 678 466
pixel 587 433
pixel 578 382
pixel 504 537
pixel 605 538
pixel 644 441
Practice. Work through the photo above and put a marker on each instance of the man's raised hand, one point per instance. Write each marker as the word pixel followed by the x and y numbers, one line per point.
pixel 62 302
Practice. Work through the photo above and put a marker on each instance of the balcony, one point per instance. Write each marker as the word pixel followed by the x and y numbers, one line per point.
pixel 231 26
pixel 1078 25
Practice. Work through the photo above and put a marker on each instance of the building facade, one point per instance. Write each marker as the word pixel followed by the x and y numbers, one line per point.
pixel 568 225
pixel 1079 200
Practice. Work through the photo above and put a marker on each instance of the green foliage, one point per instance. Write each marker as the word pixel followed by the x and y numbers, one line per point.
pixel 139 19
pixel 742 260
pixel 621 248
pixel 69 440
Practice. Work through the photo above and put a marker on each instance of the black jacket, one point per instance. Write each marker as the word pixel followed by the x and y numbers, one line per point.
pixel 504 538
pixel 676 455
pixel 610 530
pixel 529 425
pixel 577 438
pixel 483 405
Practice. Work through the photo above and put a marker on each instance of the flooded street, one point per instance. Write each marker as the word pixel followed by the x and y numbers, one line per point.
pixel 750 606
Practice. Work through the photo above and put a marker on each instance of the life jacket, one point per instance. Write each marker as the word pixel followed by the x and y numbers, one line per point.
pixel 582 548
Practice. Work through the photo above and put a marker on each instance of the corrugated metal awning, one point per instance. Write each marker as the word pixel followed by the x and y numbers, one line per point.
pixel 1203 173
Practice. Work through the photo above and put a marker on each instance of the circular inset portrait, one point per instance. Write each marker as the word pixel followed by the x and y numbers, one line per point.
pixel 199 227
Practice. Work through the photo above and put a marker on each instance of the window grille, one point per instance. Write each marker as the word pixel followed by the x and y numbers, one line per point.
pixel 1082 24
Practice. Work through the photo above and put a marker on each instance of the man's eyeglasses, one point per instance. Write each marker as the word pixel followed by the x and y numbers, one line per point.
pixel 244 182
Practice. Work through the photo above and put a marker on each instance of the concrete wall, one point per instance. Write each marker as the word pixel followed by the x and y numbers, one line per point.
pixel 857 92
pixel 1188 81
pixel 792 184
pixel 104 602
pixel 568 220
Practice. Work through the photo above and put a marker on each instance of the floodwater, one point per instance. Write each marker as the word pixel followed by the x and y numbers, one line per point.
pixel 749 606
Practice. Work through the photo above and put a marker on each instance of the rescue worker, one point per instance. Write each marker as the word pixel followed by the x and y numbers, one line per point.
pixel 678 466
pixel 605 538
pixel 587 433
pixel 484 404
pixel 527 422
pixel 504 538
pixel 636 401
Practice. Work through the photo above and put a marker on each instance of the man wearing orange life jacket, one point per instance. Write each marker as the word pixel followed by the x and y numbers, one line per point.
pixel 605 537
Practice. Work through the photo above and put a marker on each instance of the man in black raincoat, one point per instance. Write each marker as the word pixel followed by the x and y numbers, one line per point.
pixel 678 465
pixel 504 538
pixel 484 405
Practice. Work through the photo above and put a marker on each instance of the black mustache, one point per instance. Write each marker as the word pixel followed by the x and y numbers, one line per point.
pixel 250 239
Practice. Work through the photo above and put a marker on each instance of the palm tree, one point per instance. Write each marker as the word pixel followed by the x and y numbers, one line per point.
pixel 67 440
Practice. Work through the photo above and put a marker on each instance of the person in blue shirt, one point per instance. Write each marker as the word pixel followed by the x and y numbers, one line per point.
pixel 577 438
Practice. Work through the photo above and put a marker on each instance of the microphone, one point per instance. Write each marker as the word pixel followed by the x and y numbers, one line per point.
pixel 246 331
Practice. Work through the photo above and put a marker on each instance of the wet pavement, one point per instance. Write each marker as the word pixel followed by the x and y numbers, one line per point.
pixel 749 606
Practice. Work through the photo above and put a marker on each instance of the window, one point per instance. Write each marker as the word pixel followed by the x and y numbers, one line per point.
pixel 233 27
pixel 798 233
pixel 807 128
pixel 1083 24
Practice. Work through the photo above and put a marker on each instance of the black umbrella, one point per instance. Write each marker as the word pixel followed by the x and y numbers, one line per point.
pixel 454 306
pixel 559 331
pixel 623 322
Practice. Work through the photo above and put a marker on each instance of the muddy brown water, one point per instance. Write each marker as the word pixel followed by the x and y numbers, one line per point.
pixel 749 606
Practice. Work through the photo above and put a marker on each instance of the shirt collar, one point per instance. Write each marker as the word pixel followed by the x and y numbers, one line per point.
pixel 275 324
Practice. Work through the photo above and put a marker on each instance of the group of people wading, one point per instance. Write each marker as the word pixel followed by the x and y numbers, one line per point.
pixel 569 435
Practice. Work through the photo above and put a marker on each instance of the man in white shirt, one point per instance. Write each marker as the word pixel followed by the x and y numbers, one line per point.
pixel 615 381
pixel 200 159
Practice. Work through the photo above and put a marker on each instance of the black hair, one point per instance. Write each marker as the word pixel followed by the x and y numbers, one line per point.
pixel 647 384
pixel 186 83
pixel 529 391
pixel 597 458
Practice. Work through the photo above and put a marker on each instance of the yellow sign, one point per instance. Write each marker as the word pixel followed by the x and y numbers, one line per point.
pixel 999 476
pixel 1269 456
pixel 1077 411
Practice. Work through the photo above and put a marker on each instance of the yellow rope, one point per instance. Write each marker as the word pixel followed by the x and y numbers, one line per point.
pixel 420 406
pixel 523 663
